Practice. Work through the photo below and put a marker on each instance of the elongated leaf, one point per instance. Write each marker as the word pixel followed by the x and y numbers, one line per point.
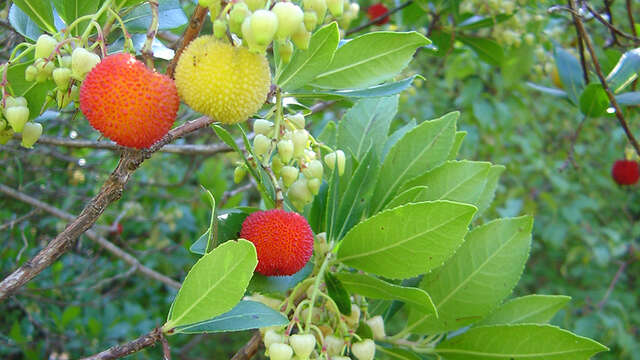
pixel 224 135
pixel 629 98
pixel 23 24
pixel 419 150
pixel 531 309
pixel 411 195
pixel 462 181
pixel 229 225
pixel 337 292
pixel 397 135
pixel 488 50
pixel 278 284
pixel 477 278
pixel 625 71
pixel 306 64
pixel 215 284
pixel 244 316
pixel 40 12
pixel 366 125
pixel 593 100
pixel 375 91
pixel 478 22
pixel 570 72
pixel 409 240
pixel 490 187
pixel 170 16
pixel 369 60
pixel 375 288
pixel 513 342
pixel 457 143
pixel 69 10
pixel 547 90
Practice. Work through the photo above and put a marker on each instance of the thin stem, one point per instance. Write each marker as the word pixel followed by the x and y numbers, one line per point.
pixel 147 51
pixel 97 15
pixel 316 286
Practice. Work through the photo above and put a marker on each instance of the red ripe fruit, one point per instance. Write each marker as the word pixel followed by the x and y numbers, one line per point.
pixel 283 241
pixel 128 103
pixel 625 172
pixel 375 11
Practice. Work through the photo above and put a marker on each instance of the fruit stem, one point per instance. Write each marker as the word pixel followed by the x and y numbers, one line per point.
pixel 147 51
pixel 316 286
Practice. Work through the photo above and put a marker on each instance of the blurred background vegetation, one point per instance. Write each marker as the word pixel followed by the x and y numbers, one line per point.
pixel 488 52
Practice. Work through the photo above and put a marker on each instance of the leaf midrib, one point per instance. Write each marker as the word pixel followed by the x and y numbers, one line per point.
pixel 282 85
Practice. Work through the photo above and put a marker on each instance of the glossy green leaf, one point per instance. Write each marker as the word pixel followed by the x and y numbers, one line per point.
pixel 457 143
pixel 306 64
pixel 397 135
pixel 376 91
pixel 531 309
pixel 593 100
pixel 477 278
pixel 338 293
pixel 488 50
pixel 23 24
pixel 170 16
pixel 462 181
pixel 409 240
pixel 419 150
pixel 69 10
pixel 411 195
pixel 570 72
pixel 215 284
pixel 40 12
pixel 229 225
pixel 489 191
pixel 366 125
pixel 629 98
pixel 375 288
pixel 625 71
pixel 226 137
pixel 278 284
pixel 514 342
pixel 244 316
pixel 370 59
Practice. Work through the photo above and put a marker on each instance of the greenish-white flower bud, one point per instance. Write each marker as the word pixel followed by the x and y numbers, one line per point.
pixel 299 138
pixel 301 37
pixel 286 51
pixel 353 319
pixel 62 77
pixel 314 185
pixel 239 173
pixel 376 324
pixel 279 351
pixel 272 337
pixel 11 101
pixel 264 25
pixel 276 164
pixel 262 126
pixel 237 15
pixel 310 20
pixel 65 61
pixel 30 134
pixel 255 4
pixel 289 18
pixel 333 345
pixel 297 120
pixel 17 117
pixel 30 73
pixel 317 6
pixel 299 193
pixel 336 7
pixel 303 345
pixel 364 350
pixel 219 28
pixel 285 149
pixel 331 158
pixel 261 144
pixel 82 61
pixel 313 170
pixel 45 45
pixel 289 175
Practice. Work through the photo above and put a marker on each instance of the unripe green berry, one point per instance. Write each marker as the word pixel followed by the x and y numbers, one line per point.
pixel 289 175
pixel 264 127
pixel 30 134
pixel 30 73
pixel 286 51
pixel 314 185
pixel 279 351
pixel 255 4
pixel 219 29
pixel 264 25
pixel 285 149
pixel 317 6
pixel 289 18
pixel 336 7
pixel 313 170
pixel 331 158
pixel 376 324
pixel 310 20
pixel 239 173
pixel 333 345
pixel 364 350
pixel 17 117
pixel 261 144
pixel 303 345
pixel 301 37
pixel 297 120
pixel 82 61
pixel 62 77
pixel 299 138
pixel 45 45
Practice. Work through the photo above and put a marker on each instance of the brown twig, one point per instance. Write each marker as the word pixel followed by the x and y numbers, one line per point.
pixel 193 29
pixel 249 349
pixel 103 242
pixel 129 348
pixel 614 30
pixel 632 23
pixel 583 60
pixel 111 191
pixel 374 21
pixel 603 81
pixel 18 220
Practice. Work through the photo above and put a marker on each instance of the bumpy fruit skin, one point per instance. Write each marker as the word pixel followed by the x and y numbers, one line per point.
pixel 283 241
pixel 375 11
pixel 222 81
pixel 128 103
pixel 625 172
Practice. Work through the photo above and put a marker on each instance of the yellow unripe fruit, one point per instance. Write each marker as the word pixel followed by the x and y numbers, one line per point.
pixel 224 82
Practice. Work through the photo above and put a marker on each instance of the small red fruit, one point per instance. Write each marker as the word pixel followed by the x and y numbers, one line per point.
pixel 127 102
pixel 375 11
pixel 283 241
pixel 625 172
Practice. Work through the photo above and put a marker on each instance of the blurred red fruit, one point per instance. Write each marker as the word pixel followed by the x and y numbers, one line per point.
pixel 375 11
pixel 625 172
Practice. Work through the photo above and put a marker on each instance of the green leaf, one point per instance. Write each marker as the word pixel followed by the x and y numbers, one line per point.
pixel 224 135
pixel 364 331
pixel 396 353
pixel 412 195
pixel 215 284
pixel 397 135
pixel 476 22
pixel 477 278
pixel 375 288
pixel 457 143
pixel 548 90
pixel 532 309
pixel 629 98
pixel 513 342
pixel 625 71
pixel 338 293
pixel 229 225
pixel 366 125
pixel 244 316
pixel 490 187
pixel 355 199
pixel 593 100
pixel 375 91
pixel 570 72
pixel 70 10
pixel 409 240
pixel 461 181
pixel 333 203
pixel 170 16
pixel 306 64
pixel 370 59
pixel 487 50
pixel 419 150
pixel 278 284
pixel 40 12
pixel 23 24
